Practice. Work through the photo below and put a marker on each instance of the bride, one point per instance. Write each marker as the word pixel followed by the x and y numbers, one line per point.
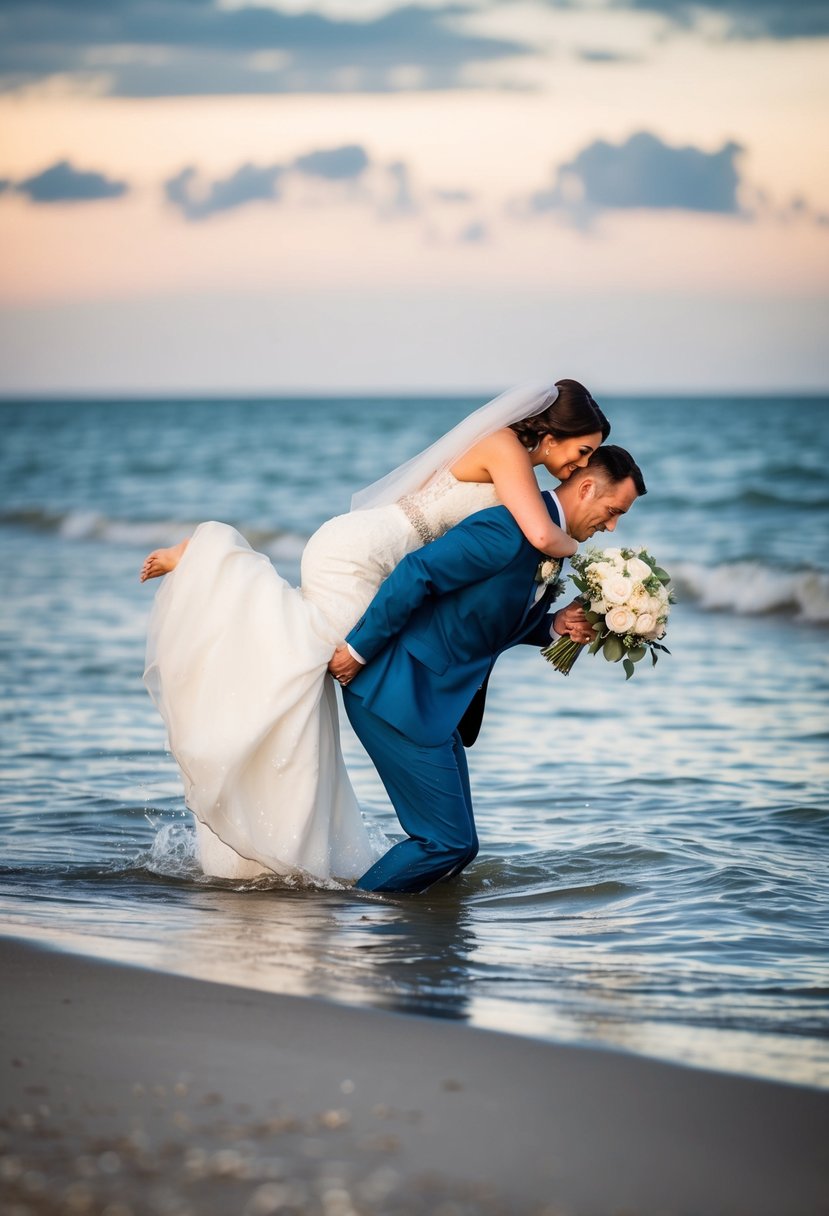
pixel 236 657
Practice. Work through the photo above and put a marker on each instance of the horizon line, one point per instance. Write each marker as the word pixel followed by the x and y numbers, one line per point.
pixel 124 396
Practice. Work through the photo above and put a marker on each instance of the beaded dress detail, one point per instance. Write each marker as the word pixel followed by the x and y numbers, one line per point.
pixel 444 503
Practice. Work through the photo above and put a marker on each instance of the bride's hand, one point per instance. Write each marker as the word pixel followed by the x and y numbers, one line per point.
pixel 344 666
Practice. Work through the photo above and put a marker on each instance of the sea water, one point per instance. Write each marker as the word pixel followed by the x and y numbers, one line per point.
pixel 653 872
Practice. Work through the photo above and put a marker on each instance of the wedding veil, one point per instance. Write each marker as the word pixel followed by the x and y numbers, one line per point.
pixel 511 406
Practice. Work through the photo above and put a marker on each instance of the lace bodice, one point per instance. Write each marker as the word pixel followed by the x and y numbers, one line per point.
pixel 445 502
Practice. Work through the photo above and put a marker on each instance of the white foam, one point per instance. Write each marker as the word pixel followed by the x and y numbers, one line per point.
pixel 173 852
pixel 754 589
pixel 144 534
pixel 81 525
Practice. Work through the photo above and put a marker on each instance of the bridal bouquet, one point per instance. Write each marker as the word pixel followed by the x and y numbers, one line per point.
pixel 626 598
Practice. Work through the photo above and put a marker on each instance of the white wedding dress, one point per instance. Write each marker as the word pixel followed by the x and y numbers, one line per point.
pixel 236 665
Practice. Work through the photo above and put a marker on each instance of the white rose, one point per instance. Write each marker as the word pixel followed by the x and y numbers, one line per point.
pixel 656 633
pixel 620 620
pixel 657 605
pixel 612 555
pixel 616 589
pixel 602 570
pixel 548 570
pixel 637 569
pixel 645 623
pixel 598 606
pixel 639 600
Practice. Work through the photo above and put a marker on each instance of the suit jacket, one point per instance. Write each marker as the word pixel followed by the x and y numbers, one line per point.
pixel 436 626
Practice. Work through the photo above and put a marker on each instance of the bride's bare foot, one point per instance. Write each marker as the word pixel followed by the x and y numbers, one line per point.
pixel 162 561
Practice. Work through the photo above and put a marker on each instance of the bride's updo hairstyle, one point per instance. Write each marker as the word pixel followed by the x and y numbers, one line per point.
pixel 573 413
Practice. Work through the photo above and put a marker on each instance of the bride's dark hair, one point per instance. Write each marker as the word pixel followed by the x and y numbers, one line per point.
pixel 573 413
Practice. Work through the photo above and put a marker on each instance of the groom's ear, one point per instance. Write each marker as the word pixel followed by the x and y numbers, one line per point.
pixel 586 489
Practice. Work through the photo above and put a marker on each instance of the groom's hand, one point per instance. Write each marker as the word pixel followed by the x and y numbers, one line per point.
pixel 572 622
pixel 344 666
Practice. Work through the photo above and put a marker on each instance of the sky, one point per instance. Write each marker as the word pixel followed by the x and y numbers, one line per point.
pixel 229 196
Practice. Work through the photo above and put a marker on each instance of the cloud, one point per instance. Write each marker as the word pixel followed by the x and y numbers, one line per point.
pixel 142 48
pixel 61 183
pixel 598 55
pixel 739 19
pixel 745 19
pixel 643 172
pixel 402 200
pixel 198 199
pixel 385 188
pixel 335 164
pixel 798 210
pixel 474 234
pixel 454 196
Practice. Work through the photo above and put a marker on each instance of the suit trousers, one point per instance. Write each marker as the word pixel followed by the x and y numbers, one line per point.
pixel 429 790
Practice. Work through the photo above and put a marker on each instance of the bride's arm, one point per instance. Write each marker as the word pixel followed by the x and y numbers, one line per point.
pixel 504 460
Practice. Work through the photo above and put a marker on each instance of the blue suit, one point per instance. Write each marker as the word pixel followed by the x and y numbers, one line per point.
pixel 430 638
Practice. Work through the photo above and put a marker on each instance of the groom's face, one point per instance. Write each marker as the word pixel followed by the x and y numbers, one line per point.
pixel 599 506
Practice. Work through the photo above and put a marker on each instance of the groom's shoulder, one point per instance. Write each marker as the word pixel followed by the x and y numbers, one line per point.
pixel 500 518
pixel 495 526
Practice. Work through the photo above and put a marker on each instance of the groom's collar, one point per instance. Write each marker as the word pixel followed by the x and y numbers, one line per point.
pixel 562 519
pixel 562 523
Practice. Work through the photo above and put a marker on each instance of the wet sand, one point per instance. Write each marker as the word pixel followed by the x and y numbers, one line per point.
pixel 125 1091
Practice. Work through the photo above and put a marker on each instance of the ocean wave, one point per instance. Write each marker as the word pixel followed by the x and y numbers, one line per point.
pixel 754 589
pixel 733 501
pixel 779 499
pixel 144 534
pixel 749 588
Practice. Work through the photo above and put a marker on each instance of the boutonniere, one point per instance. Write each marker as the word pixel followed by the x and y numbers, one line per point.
pixel 548 573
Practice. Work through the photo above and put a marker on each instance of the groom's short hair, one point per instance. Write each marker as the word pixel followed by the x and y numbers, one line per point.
pixel 614 464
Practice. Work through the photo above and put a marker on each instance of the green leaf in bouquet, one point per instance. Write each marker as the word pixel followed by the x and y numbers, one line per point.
pixel 596 644
pixel 663 575
pixel 592 617
pixel 629 668
pixel 637 652
pixel 613 649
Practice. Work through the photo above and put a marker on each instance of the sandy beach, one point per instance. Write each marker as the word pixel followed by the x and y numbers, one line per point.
pixel 129 1091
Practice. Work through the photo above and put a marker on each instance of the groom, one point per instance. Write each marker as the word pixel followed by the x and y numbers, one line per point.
pixel 426 645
